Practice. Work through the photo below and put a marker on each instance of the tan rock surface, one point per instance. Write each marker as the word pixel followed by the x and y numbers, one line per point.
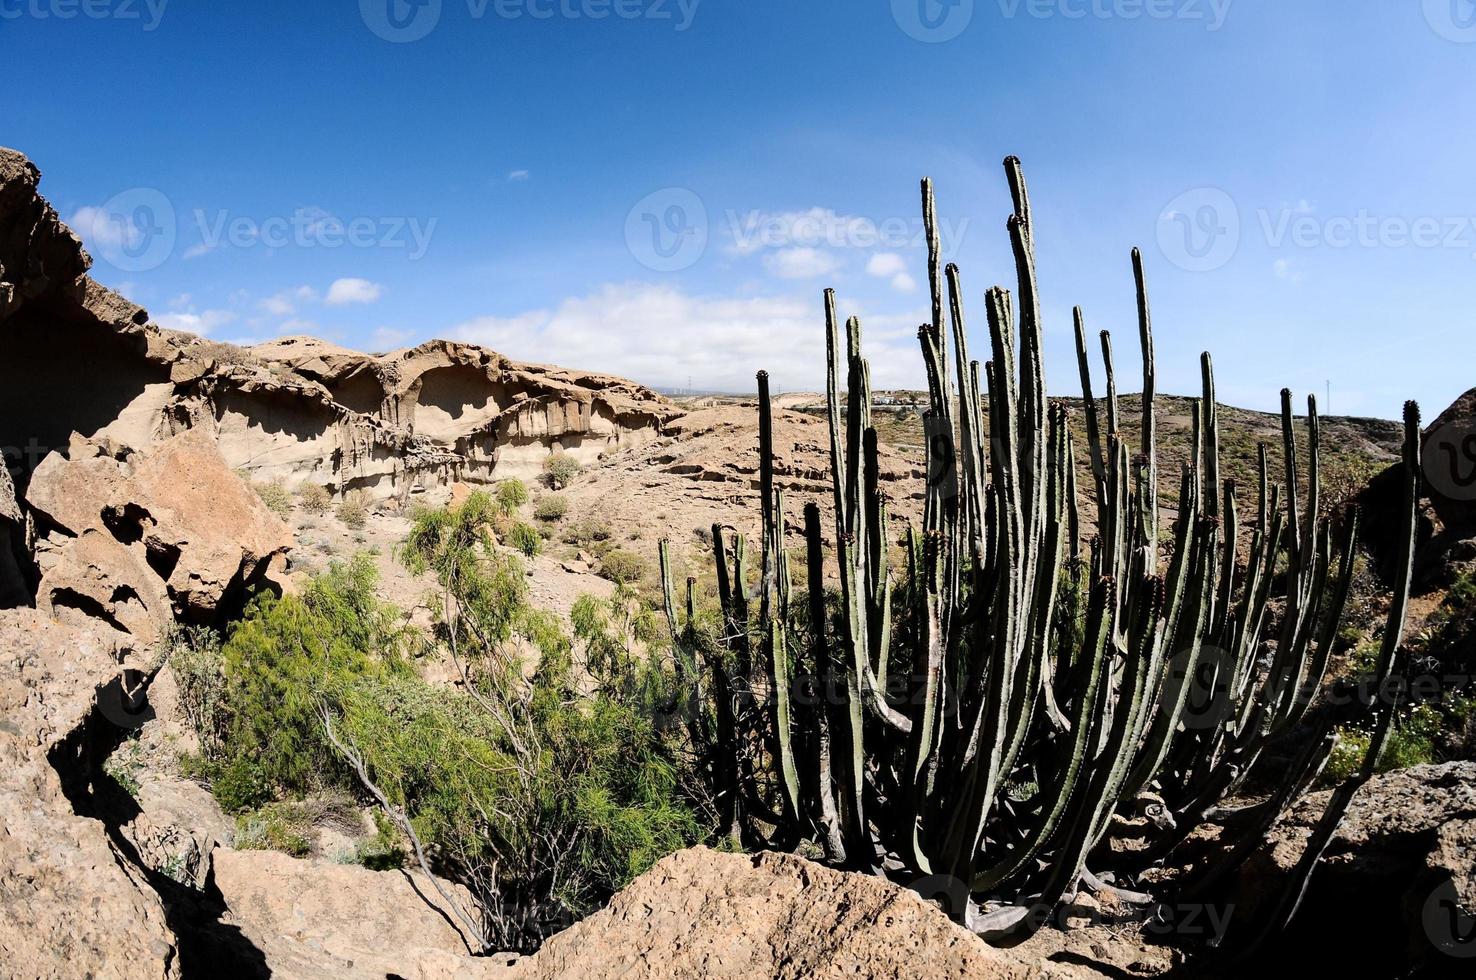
pixel 136 533
pixel 701 913
pixel 70 905
pixel 312 918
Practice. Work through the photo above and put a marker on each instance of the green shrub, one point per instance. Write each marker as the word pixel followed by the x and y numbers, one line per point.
pixel 383 851
pixel 524 538
pixel 353 510
pixel 273 828
pixel 284 661
pixel 511 494
pixel 276 497
pixel 195 660
pixel 314 498
pixel 587 532
pixel 623 567
pixel 552 507
pixel 525 788
pixel 560 469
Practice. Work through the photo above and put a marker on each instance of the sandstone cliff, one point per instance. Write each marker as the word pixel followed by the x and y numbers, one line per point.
pixel 78 358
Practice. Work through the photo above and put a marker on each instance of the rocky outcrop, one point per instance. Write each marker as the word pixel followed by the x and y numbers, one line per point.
pixel 15 551
pixel 71 904
pixel 701 913
pixel 144 538
pixel 1446 544
pixel 295 409
pixel 1401 873
pixel 1450 465
pixel 312 918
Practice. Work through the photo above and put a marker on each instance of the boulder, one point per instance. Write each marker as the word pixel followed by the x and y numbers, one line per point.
pixel 1402 868
pixel 703 913
pixel 71 903
pixel 1449 452
pixel 140 537
pixel 312 918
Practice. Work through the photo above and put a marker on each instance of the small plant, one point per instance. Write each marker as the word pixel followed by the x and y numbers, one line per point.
pixel 560 469
pixel 124 766
pixel 552 507
pixel 276 498
pixel 314 498
pixel 353 510
pixel 272 828
pixel 623 567
pixel 525 538
pixel 511 494
pixel 194 659
pixel 382 852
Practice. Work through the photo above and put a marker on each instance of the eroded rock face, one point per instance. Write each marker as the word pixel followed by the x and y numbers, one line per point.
pixel 15 552
pixel 1398 880
pixel 314 919
pixel 701 913
pixel 70 904
pixel 77 358
pixel 141 538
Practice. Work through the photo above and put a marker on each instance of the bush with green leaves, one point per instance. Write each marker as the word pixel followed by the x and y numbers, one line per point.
pixel 314 498
pixel 511 494
pixel 541 799
pixel 524 538
pixel 276 497
pixel 552 507
pixel 353 510
pixel 560 469
pixel 623 567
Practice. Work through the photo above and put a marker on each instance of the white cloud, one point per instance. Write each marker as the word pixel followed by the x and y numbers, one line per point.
pixel 885 264
pixel 285 302
pixel 661 336
pixel 801 263
pixel 201 323
pixel 346 291
pixel 891 266
pixel 195 251
pixel 518 175
pixel 181 301
pixel 100 228
pixel 292 327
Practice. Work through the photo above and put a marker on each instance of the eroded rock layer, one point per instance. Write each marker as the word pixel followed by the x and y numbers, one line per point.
pixel 78 358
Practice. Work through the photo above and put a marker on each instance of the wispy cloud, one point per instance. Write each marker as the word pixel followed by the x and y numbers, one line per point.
pixel 285 303
pixel 662 336
pixel 345 292
pixel 201 323
pixel 801 263
pixel 892 267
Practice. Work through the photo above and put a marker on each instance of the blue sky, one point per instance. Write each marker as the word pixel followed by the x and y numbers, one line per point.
pixel 664 191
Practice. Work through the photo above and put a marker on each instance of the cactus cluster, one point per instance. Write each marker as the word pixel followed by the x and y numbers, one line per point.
pixel 988 713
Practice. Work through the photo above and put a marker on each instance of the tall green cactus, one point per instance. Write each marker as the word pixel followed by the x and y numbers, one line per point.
pixel 958 719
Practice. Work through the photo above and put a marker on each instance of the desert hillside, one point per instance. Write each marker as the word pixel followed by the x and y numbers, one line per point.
pixel 319 663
